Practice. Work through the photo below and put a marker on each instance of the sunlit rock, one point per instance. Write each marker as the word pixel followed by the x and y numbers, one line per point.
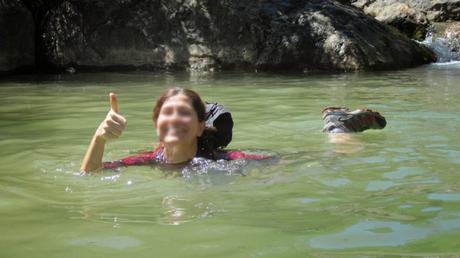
pixel 452 34
pixel 412 17
pixel 403 16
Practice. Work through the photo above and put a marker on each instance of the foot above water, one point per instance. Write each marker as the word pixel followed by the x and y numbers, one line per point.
pixel 342 120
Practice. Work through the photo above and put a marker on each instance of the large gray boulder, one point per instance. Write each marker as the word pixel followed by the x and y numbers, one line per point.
pixel 329 35
pixel 301 35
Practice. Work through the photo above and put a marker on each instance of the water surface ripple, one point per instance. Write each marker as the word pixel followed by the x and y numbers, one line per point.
pixel 389 192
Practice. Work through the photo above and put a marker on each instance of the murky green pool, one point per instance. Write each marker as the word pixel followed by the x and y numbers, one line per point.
pixel 392 192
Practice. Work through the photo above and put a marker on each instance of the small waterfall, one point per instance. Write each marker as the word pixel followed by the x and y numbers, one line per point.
pixel 442 48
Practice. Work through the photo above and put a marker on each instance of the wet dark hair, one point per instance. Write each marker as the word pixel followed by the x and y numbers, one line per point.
pixel 207 145
pixel 197 103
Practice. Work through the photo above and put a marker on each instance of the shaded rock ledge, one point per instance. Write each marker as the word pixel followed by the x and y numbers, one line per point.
pixel 200 35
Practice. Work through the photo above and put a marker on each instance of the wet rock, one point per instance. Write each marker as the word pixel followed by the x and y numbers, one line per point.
pixel 218 34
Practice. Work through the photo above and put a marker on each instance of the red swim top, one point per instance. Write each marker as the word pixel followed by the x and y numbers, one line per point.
pixel 156 157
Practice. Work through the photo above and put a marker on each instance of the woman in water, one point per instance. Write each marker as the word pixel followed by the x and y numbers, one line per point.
pixel 179 119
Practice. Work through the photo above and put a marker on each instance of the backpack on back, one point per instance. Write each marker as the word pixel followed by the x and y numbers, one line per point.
pixel 218 117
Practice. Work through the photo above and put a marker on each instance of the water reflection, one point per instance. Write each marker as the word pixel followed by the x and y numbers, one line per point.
pixel 390 188
pixel 181 210
pixel 387 233
pixel 379 185
pixel 346 143
pixel 370 234
pixel 449 197
pixel 112 242
pixel 174 215
pixel 402 172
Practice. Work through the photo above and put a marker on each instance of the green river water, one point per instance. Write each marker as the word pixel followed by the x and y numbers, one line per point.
pixel 383 193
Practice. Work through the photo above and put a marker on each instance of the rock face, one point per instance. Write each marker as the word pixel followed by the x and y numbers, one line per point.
pixel 216 34
pixel 444 40
pixel 16 36
pixel 452 35
pixel 440 10
pixel 412 17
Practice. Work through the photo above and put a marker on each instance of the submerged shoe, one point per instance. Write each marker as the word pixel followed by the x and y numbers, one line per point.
pixel 342 120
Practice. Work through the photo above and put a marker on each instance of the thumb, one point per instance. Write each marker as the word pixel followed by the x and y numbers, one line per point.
pixel 113 102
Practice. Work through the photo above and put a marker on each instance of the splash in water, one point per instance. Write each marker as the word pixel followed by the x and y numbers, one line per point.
pixel 442 48
pixel 224 168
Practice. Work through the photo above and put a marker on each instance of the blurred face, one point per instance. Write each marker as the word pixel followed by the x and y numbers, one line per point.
pixel 177 122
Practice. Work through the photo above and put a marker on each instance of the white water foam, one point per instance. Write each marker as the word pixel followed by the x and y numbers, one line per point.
pixel 452 63
pixel 442 49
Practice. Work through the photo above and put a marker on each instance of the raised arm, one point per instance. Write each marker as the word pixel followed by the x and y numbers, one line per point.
pixel 110 128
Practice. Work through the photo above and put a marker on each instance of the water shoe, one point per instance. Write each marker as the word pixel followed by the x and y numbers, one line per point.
pixel 342 120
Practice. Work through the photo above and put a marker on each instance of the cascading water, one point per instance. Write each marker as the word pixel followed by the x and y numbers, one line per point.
pixel 442 47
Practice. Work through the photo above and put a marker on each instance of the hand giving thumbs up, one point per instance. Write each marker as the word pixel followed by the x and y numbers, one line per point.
pixel 114 123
